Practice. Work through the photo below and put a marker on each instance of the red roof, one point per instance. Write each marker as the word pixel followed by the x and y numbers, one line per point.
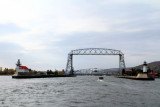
pixel 153 73
pixel 23 67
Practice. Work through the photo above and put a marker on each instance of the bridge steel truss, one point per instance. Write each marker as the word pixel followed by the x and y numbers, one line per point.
pixel 94 51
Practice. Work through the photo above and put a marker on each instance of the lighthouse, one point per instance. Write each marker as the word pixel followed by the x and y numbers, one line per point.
pixel 18 63
pixel 145 67
pixel 20 68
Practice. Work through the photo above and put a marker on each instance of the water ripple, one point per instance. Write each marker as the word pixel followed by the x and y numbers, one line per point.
pixel 82 91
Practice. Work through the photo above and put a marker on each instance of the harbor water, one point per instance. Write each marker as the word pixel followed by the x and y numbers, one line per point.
pixel 80 91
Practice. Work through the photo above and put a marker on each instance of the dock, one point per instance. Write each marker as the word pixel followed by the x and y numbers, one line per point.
pixel 40 76
pixel 140 76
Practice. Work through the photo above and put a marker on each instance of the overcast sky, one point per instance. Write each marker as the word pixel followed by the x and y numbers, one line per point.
pixel 42 32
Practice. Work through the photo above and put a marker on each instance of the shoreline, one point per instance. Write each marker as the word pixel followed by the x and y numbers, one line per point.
pixel 6 75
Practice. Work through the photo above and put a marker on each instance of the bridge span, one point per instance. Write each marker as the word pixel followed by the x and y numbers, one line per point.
pixel 94 51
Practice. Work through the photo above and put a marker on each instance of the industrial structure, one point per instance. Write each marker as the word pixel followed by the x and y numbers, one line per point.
pixel 94 51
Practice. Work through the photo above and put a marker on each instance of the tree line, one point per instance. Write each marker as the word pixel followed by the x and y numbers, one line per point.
pixel 7 71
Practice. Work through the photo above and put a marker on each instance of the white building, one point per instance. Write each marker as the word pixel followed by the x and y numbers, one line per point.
pixel 145 67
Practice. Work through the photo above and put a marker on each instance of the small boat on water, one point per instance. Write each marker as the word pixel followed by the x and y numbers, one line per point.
pixel 100 78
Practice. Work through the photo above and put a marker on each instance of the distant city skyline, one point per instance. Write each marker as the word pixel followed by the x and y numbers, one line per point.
pixel 41 33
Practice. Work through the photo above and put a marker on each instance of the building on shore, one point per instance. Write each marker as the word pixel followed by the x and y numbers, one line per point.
pixel 20 68
pixel 145 67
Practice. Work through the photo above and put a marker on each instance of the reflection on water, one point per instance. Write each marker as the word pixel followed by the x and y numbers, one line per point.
pixel 81 91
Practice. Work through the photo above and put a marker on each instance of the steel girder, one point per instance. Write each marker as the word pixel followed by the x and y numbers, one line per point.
pixel 69 68
pixel 94 51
